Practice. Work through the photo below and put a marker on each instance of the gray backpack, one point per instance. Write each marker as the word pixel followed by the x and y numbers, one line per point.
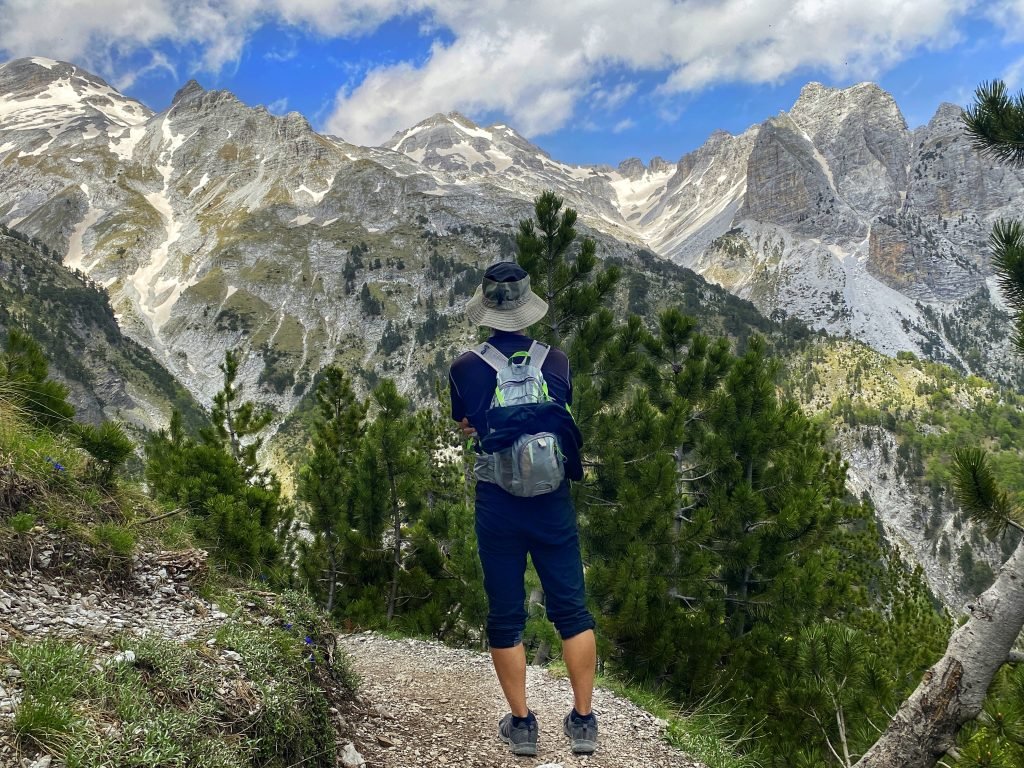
pixel 532 466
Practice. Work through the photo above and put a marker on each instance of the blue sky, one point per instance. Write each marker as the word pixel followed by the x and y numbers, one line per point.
pixel 592 82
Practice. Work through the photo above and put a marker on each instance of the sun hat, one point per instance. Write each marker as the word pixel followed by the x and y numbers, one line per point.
pixel 504 301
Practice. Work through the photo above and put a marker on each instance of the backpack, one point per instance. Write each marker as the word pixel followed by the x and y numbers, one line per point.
pixel 533 465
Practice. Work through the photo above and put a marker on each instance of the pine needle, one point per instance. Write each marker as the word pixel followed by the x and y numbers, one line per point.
pixel 976 491
pixel 995 123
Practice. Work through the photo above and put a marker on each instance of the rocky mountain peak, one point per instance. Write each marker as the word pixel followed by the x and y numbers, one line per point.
pixel 42 98
pixel 188 91
pixel 947 114
pixel 35 71
pixel 632 168
pixel 659 164
pixel 820 107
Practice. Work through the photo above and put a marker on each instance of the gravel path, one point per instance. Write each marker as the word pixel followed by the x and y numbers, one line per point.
pixel 424 705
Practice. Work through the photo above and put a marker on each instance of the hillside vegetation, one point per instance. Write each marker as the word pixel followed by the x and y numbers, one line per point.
pixel 125 648
pixel 108 375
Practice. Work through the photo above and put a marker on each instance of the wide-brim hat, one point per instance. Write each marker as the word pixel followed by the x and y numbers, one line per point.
pixel 504 300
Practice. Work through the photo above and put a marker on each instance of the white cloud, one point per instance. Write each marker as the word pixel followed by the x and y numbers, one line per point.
pixel 278 106
pixel 157 61
pixel 1008 14
pixel 532 60
pixel 542 71
pixel 281 56
pixel 611 97
pixel 1013 75
pixel 85 32
pixel 624 125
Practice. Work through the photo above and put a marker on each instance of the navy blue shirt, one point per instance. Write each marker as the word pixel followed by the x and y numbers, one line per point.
pixel 473 381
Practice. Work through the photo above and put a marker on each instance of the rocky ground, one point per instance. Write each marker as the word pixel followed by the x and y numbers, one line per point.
pixel 427 705
pixel 419 704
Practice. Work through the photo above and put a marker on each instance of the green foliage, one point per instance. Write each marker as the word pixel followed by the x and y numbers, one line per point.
pixel 109 447
pixel 392 532
pixel 115 539
pixel 23 522
pixel 369 303
pixel 327 485
pixel 163 698
pixel 995 122
pixel 237 507
pixel 572 286
pixel 391 340
pixel 24 383
pixel 237 423
pixel 996 737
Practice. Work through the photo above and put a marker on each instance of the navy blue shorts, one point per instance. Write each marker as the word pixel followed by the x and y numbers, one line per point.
pixel 509 527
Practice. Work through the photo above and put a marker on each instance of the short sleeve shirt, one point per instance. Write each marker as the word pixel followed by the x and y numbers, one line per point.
pixel 472 380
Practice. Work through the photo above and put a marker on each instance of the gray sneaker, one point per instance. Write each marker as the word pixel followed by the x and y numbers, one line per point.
pixel 522 740
pixel 582 733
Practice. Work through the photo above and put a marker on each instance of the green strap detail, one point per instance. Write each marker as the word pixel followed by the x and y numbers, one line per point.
pixel 519 356
pixel 499 396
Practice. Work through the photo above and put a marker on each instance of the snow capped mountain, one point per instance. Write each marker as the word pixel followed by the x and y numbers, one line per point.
pixel 46 99
pixel 834 212
pixel 215 224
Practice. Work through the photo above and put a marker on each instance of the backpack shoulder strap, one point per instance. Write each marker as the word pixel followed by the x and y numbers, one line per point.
pixel 538 353
pixel 491 356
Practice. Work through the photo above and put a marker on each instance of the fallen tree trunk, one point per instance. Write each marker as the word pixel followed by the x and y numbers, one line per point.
pixel 953 691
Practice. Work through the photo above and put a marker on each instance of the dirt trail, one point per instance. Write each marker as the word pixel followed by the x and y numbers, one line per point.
pixel 426 705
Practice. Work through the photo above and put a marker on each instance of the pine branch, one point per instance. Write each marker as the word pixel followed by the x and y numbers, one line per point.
pixel 976 491
pixel 995 123
pixel 1007 244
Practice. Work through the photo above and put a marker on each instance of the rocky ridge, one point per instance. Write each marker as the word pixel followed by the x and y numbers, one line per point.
pixel 213 224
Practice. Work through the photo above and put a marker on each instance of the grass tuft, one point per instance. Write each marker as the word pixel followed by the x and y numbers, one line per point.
pixel 159 703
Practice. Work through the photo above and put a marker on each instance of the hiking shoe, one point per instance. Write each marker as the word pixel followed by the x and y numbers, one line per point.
pixel 582 732
pixel 521 739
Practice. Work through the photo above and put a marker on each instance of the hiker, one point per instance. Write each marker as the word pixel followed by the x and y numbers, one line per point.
pixel 522 499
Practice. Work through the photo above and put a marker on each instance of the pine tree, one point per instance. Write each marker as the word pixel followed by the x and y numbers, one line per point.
pixel 25 382
pixel 109 447
pixel 237 424
pixel 326 482
pixel 952 692
pixel 397 468
pixel 236 505
pixel 572 285
pixel 633 508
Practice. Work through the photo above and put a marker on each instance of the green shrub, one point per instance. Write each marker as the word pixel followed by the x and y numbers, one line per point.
pixel 159 705
pixel 116 539
pixel 23 522
pixel 109 447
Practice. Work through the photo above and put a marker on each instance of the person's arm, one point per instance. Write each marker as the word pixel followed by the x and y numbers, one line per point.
pixel 459 407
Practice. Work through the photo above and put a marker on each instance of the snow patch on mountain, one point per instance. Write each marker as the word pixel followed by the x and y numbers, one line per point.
pixel 202 183
pixel 76 249
pixel 317 196
pixel 124 148
pixel 635 197
pixel 63 102
pixel 157 294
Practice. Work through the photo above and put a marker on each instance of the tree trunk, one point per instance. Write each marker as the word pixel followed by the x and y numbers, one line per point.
pixel 397 520
pixel 332 578
pixel 953 690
